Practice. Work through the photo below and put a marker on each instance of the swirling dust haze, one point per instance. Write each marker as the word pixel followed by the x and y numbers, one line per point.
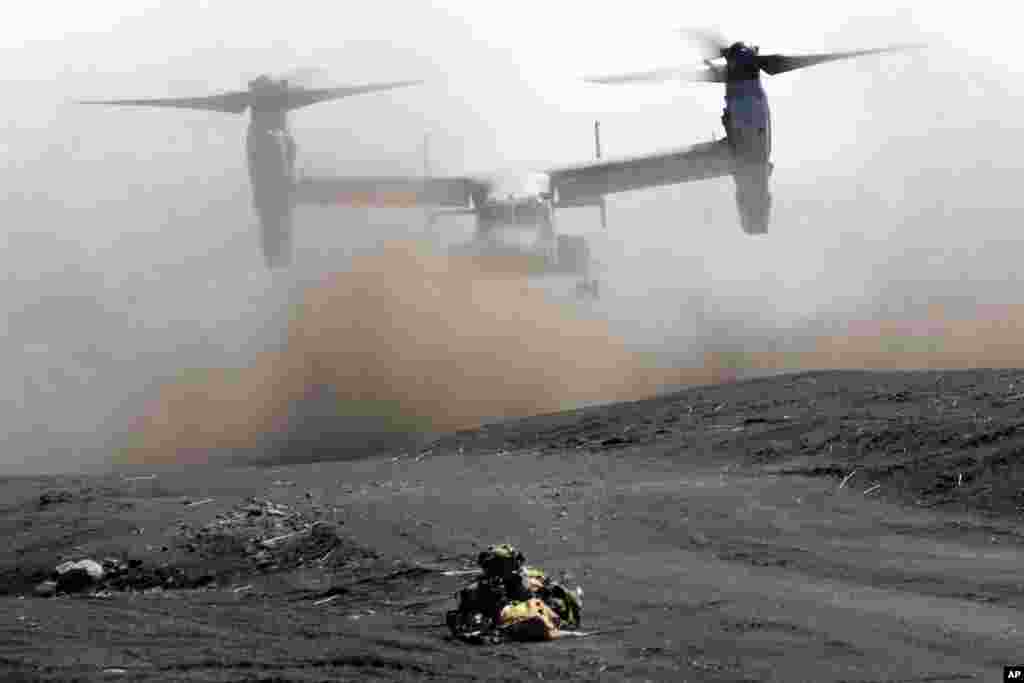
pixel 412 341
pixel 420 340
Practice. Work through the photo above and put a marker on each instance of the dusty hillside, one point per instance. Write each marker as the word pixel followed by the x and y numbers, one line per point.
pixel 834 526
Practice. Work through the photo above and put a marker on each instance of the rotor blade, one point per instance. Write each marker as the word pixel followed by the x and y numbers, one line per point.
pixel 710 42
pixel 231 102
pixel 661 76
pixel 777 64
pixel 302 76
pixel 303 98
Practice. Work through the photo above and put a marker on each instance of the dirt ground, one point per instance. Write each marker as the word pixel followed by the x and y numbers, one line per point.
pixel 833 526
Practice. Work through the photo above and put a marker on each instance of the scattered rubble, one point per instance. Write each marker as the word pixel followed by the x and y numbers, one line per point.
pixel 267 536
pixel 78 576
pixel 255 536
pixel 54 498
pixel 46 589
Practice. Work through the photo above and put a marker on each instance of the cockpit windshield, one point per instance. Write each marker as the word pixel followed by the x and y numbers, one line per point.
pixel 527 213
pixel 517 186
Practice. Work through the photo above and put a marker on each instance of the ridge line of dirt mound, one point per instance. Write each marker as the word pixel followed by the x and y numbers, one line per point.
pixel 950 439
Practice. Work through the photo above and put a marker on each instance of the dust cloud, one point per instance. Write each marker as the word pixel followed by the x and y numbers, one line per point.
pixel 991 336
pixel 417 340
pixel 409 340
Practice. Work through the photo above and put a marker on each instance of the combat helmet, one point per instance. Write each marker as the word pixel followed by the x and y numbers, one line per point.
pixel 501 560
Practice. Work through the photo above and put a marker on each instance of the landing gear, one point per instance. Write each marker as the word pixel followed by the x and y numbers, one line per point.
pixel 574 257
pixel 588 289
pixel 276 237
pixel 573 254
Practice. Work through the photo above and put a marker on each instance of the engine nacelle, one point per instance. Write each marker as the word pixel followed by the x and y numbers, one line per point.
pixel 753 198
pixel 271 155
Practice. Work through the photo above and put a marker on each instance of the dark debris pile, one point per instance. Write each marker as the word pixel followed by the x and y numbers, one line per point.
pixel 256 536
pixel 265 536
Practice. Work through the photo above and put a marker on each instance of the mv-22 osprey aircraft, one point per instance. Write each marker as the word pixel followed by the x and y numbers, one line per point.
pixel 530 200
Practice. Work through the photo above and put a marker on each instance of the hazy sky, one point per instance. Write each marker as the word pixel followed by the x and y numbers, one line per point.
pixel 887 169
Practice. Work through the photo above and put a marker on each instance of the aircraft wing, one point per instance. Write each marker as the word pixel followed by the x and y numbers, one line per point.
pixel 581 185
pixel 230 103
pixel 386 191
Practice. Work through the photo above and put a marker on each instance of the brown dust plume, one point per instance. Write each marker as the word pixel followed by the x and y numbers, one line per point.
pixel 424 341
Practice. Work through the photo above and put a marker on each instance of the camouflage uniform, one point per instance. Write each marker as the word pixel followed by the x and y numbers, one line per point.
pixel 513 599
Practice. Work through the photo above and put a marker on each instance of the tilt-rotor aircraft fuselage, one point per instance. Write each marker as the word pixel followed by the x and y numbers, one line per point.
pixel 270 145
pixel 505 206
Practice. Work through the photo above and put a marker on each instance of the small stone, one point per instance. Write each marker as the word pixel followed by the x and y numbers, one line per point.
pixel 45 589
pixel 73 577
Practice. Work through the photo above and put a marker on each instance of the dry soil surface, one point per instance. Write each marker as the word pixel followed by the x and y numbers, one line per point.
pixel 716 533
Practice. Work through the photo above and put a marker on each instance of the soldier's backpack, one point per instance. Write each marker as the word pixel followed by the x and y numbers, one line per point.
pixel 529 620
